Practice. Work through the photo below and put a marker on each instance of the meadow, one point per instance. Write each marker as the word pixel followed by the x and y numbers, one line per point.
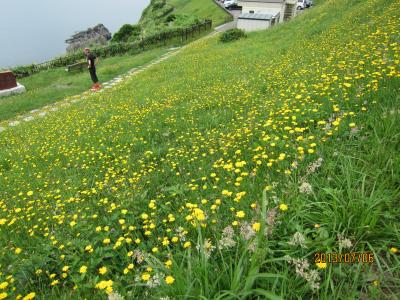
pixel 54 85
pixel 220 173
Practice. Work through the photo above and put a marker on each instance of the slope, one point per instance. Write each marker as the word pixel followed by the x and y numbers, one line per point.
pixel 164 14
pixel 222 173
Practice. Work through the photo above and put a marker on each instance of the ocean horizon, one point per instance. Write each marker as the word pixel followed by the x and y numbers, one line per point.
pixel 35 31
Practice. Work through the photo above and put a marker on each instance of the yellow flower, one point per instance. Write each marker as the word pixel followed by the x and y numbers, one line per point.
pixel 394 250
pixel 154 250
pixel 30 296
pixel 18 250
pixel 121 221
pixel 30 193
pixel 38 271
pixel 283 207
pixel 321 265
pixel 103 270
pixel 168 263
pixel 256 227
pixel 198 214
pixel 240 214
pixel 65 268
pixel 3 296
pixel 169 280
pixel 3 221
pixel 145 277
pixel 352 125
pixel 105 284
pixel 109 290
pixel 83 270
pixel 106 241
pixel 3 285
pixel 54 282
pixel 226 193
pixel 187 244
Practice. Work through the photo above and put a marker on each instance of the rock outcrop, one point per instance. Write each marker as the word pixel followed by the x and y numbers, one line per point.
pixel 98 35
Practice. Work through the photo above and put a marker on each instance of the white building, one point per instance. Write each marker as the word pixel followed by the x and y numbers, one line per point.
pixel 256 21
pixel 262 14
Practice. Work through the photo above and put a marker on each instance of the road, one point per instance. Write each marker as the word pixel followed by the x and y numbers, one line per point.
pixel 235 14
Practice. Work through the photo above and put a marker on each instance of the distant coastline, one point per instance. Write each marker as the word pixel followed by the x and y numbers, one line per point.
pixel 39 42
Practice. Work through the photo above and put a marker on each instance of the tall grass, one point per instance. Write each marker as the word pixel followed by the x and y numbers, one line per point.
pixel 220 173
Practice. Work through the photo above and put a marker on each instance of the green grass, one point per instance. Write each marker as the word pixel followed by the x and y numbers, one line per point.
pixel 202 9
pixel 227 167
pixel 53 85
pixel 154 17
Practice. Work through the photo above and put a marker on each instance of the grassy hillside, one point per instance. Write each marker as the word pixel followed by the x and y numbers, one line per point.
pixel 164 14
pixel 205 10
pixel 53 85
pixel 221 173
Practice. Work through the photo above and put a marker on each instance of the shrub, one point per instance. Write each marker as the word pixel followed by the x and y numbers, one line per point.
pixel 232 35
pixel 158 4
pixel 23 71
pixel 126 32
pixel 170 18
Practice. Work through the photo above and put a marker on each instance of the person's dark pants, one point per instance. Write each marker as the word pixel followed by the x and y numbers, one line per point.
pixel 93 75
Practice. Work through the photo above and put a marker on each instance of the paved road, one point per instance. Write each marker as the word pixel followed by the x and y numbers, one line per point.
pixel 235 14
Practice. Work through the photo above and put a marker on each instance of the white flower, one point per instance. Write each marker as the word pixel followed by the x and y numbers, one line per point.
pixel 298 239
pixel 305 188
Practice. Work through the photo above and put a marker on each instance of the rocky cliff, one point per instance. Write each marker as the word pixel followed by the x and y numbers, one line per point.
pixel 98 35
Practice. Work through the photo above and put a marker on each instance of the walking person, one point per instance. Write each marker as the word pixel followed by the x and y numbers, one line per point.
pixel 92 60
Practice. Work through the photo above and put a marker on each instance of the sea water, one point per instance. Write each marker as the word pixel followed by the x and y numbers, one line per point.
pixel 35 31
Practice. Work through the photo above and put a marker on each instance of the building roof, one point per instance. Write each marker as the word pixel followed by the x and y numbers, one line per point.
pixel 264 17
